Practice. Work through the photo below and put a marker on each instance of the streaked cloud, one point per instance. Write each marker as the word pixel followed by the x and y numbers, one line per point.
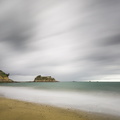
pixel 69 40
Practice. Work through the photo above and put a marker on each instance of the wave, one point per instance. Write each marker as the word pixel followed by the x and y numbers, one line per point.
pixel 89 101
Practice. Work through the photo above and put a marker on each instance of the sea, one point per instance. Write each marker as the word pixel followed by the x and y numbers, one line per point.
pixel 98 97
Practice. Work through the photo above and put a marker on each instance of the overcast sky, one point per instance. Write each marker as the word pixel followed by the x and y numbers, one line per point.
pixel 71 40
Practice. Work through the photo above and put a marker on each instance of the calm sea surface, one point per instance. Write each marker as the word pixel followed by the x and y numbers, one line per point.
pixel 101 97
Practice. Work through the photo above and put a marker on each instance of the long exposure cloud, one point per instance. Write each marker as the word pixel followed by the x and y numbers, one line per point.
pixel 69 40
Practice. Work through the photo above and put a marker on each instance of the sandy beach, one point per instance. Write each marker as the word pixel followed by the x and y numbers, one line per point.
pixel 19 110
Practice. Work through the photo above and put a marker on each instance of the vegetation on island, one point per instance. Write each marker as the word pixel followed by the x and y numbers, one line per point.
pixel 3 74
pixel 40 78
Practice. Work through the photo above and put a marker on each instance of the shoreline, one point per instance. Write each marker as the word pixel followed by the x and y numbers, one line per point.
pixel 14 109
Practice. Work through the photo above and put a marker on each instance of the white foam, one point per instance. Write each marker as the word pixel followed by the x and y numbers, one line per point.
pixel 101 103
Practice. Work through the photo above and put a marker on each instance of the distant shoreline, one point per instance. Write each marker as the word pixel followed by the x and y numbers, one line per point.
pixel 29 82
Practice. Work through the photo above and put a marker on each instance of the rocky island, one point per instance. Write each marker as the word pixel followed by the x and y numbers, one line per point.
pixel 40 78
pixel 4 77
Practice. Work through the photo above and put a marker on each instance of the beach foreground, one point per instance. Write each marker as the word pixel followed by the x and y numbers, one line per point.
pixel 18 110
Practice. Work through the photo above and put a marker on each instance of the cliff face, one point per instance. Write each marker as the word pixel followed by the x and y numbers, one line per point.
pixel 4 77
pixel 40 78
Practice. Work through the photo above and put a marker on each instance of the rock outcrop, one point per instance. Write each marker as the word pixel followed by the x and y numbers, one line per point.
pixel 4 77
pixel 40 78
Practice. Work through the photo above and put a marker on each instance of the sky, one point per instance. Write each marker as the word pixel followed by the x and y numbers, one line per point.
pixel 70 40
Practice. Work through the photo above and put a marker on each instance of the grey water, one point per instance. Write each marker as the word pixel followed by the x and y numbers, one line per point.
pixel 100 97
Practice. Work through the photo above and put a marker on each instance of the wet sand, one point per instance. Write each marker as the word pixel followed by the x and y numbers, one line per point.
pixel 19 110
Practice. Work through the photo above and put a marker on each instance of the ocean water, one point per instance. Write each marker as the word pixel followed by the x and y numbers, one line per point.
pixel 99 97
